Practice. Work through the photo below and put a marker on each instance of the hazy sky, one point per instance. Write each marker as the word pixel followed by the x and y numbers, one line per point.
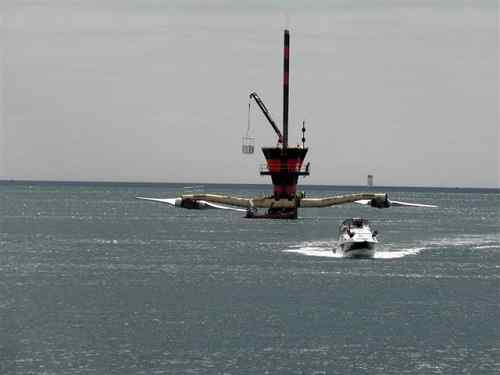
pixel 158 90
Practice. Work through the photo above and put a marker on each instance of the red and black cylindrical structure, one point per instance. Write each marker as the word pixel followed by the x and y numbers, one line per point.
pixel 284 164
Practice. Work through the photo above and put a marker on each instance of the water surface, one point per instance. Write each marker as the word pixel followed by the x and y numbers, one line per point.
pixel 93 281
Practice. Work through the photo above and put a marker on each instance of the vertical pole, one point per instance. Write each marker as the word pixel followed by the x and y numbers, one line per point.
pixel 286 57
pixel 3 97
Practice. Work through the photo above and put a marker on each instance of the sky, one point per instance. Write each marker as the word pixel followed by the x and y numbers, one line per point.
pixel 157 91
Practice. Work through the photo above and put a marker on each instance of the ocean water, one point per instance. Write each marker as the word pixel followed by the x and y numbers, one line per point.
pixel 93 281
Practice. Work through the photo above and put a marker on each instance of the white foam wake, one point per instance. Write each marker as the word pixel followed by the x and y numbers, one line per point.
pixel 397 253
pixel 467 241
pixel 391 251
pixel 487 247
pixel 314 252
pixel 326 250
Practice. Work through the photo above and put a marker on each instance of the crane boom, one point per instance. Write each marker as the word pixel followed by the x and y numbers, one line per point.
pixel 264 110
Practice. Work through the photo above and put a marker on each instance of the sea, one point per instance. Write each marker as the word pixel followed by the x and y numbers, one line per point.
pixel 94 281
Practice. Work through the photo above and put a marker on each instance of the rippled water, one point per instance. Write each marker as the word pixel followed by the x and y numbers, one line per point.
pixel 93 281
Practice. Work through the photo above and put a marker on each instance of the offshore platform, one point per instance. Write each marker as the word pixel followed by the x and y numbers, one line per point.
pixel 285 165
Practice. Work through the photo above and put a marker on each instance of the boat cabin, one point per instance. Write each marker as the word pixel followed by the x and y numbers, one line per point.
pixel 349 224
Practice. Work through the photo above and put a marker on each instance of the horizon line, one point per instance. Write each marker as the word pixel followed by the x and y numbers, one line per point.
pixel 117 182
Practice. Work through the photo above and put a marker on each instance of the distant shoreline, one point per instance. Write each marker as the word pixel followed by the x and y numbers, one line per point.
pixel 218 184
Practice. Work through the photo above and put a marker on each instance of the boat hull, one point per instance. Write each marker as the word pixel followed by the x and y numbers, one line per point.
pixel 358 249
pixel 356 239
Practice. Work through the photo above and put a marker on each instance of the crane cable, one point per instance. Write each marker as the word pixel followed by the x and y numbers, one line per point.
pixel 248 119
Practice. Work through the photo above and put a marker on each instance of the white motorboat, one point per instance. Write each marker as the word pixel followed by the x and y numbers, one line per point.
pixel 356 239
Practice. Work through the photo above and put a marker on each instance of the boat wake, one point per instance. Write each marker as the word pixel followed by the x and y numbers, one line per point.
pixel 394 254
pixel 471 242
pixel 325 249
pixel 392 251
pixel 315 252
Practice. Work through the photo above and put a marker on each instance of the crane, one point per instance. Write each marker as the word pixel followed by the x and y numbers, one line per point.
pixel 264 110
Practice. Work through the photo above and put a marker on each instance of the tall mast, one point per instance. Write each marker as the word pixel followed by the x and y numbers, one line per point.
pixel 286 58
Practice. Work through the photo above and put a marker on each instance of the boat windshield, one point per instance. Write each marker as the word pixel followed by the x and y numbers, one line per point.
pixel 353 223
